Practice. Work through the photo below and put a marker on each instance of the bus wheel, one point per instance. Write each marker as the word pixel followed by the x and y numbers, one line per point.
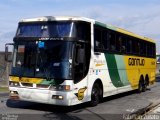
pixel 147 81
pixel 95 95
pixel 140 87
pixel 144 88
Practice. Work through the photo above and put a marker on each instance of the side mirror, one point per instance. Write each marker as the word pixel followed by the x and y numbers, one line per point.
pixel 8 55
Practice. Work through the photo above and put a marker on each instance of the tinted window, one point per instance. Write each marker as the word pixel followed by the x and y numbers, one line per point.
pixel 112 41
pixel 129 46
pixel 98 45
pixel 53 29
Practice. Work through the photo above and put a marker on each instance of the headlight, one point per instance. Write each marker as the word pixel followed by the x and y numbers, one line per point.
pixel 60 88
pixel 13 84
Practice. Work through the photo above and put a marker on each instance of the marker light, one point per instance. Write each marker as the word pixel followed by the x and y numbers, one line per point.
pixel 61 88
pixel 13 84
pixel 60 97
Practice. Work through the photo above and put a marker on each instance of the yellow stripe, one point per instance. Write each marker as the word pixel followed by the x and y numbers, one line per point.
pixel 26 80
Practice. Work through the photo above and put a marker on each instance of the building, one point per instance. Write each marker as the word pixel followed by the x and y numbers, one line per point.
pixel 4 71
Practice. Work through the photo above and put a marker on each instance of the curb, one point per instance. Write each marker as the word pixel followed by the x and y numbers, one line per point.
pixel 142 111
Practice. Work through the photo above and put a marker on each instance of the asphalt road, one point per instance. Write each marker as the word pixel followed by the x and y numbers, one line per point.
pixel 116 107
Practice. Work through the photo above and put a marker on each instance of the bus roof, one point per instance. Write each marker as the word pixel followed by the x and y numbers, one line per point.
pixel 76 18
pixel 120 30
pixel 55 18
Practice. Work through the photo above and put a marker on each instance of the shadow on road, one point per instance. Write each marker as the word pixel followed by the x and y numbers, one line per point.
pixel 60 109
pixel 44 107
pixel 51 112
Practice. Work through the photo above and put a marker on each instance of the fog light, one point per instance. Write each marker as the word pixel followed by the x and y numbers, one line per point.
pixel 14 95
pixel 60 97
pixel 13 92
pixel 14 84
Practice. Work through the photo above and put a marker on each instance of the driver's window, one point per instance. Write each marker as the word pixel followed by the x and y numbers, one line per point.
pixel 79 62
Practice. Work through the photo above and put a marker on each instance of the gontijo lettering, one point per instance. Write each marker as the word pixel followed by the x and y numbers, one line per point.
pixel 136 62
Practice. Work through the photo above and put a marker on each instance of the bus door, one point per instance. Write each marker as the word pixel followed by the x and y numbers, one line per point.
pixel 80 70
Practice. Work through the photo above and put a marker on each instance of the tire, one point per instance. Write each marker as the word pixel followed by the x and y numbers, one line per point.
pixel 147 81
pixel 144 87
pixel 95 95
pixel 140 87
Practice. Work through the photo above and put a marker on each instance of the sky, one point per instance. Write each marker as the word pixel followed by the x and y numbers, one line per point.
pixel 139 16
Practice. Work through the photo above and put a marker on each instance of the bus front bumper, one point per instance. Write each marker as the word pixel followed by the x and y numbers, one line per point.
pixel 64 98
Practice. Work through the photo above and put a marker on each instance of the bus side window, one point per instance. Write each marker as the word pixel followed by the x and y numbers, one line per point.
pixel 97 39
pixel 105 41
pixel 123 47
pixel 149 49
pixel 145 47
pixel 152 50
pixel 134 46
pixel 112 41
pixel 142 48
pixel 129 46
pixel 118 44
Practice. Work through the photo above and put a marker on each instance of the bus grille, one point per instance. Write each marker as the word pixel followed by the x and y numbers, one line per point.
pixel 27 84
pixel 42 86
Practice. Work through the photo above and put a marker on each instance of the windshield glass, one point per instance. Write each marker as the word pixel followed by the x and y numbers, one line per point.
pixel 47 59
pixel 46 29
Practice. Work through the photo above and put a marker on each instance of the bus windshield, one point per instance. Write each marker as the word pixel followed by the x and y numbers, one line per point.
pixel 46 59
pixel 46 29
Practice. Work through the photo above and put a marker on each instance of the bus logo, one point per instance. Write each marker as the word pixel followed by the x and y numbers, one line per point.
pixel 80 93
pixel 136 62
